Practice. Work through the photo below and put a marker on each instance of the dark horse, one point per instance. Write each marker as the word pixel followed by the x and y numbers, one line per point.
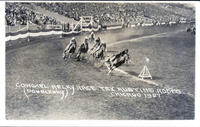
pixel 69 51
pixel 100 53
pixel 82 50
pixel 116 61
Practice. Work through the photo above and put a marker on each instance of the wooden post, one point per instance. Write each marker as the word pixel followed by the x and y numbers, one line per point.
pixel 81 23
pixel 8 28
pixel 27 24
pixel 61 31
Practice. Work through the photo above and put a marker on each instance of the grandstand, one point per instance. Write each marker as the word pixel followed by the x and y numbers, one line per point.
pixel 46 15
pixel 106 13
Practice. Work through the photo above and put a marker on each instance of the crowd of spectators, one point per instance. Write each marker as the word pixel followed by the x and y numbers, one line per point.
pixel 18 14
pixel 107 13
pixel 103 13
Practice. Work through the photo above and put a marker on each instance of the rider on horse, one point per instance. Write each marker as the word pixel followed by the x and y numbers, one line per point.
pixel 71 47
pixel 115 57
pixel 72 44
pixel 83 48
pixel 99 51
pixel 99 47
pixel 97 44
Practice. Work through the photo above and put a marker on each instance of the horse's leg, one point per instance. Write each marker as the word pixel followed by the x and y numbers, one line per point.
pixel 94 58
pixel 89 57
pixel 109 72
pixel 66 56
pixel 78 56
pixel 95 61
pixel 102 63
pixel 113 68
pixel 108 67
pixel 99 62
pixel 81 56
pixel 84 56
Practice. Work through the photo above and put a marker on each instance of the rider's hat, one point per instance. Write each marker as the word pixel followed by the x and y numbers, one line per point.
pixel 73 38
pixel 86 38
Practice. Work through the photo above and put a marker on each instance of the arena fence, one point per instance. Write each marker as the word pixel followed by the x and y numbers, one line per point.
pixel 12 33
pixel 29 34
pixel 26 32
pixel 35 33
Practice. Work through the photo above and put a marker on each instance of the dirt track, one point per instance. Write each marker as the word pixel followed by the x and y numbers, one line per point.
pixel 171 65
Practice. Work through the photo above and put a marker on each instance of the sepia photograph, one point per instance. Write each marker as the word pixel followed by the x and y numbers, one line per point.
pixel 100 60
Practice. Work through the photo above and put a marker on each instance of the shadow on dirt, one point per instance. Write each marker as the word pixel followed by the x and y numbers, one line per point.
pixel 132 73
pixel 157 78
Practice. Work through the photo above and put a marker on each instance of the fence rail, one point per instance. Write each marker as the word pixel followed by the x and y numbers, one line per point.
pixel 27 31
pixel 29 34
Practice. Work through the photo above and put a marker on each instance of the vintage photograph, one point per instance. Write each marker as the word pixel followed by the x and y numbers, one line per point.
pixel 100 60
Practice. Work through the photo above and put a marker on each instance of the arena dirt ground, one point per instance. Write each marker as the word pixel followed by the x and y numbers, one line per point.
pixel 171 51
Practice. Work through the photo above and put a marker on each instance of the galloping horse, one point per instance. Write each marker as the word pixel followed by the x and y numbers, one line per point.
pixel 70 49
pixel 116 61
pixel 99 53
pixel 82 49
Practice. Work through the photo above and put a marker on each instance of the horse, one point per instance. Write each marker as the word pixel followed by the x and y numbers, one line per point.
pixel 112 64
pixel 100 52
pixel 83 49
pixel 191 29
pixel 69 51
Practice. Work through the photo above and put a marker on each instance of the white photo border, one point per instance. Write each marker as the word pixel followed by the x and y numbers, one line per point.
pixel 138 123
